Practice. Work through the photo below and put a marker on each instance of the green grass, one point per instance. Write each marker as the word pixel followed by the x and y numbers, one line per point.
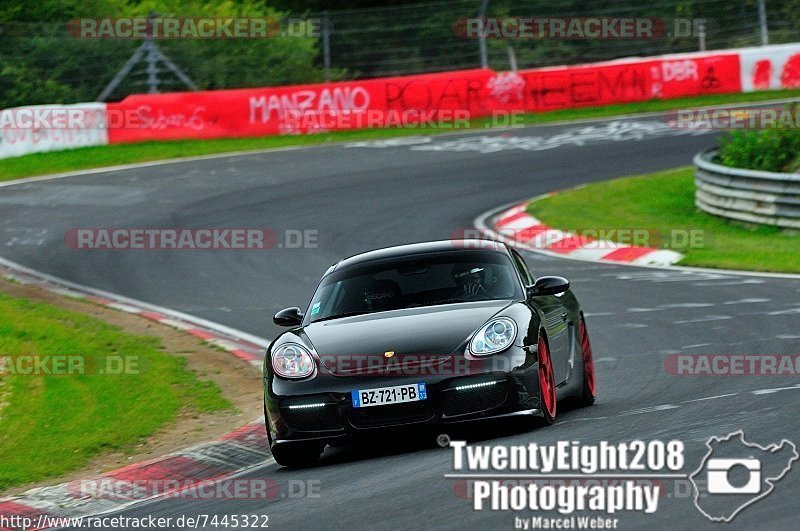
pixel 94 157
pixel 54 424
pixel 663 201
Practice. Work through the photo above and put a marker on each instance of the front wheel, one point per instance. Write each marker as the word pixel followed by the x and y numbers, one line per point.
pixel 547 383
pixel 296 454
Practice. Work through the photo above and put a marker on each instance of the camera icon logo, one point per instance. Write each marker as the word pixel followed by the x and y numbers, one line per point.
pixel 736 473
pixel 719 472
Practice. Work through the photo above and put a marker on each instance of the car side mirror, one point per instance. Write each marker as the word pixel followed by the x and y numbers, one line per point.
pixel 548 286
pixel 288 317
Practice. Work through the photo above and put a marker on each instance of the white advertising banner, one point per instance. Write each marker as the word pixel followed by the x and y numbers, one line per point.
pixel 38 128
pixel 770 67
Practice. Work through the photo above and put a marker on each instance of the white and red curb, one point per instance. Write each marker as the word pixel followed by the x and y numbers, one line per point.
pixel 189 473
pixel 203 464
pixel 518 225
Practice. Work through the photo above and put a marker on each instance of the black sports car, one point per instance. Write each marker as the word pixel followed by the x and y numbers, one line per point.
pixel 430 333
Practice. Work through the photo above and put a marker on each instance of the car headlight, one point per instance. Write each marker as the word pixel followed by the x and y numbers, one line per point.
pixel 291 360
pixel 498 334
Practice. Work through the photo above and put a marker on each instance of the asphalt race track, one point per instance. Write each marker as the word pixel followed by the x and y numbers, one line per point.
pixel 365 196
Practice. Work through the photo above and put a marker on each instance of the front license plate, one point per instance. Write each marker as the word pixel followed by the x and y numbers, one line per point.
pixel 397 394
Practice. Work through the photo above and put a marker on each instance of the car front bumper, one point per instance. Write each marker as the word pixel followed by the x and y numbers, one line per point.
pixel 292 415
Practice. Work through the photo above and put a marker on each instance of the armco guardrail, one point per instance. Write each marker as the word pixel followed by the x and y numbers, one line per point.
pixel 747 195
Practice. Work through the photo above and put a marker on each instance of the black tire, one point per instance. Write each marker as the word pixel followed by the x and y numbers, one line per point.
pixel 296 454
pixel 546 371
pixel 585 398
pixel 588 389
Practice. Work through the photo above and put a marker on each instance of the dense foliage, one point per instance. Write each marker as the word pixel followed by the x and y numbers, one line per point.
pixel 40 62
pixel 772 149
pixel 776 147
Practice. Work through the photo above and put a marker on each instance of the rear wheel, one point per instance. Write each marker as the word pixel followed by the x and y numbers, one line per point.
pixel 547 384
pixel 586 397
pixel 296 454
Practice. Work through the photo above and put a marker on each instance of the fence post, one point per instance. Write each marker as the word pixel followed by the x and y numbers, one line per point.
pixel 701 36
pixel 762 22
pixel 151 56
pixel 512 58
pixel 326 45
pixel 482 35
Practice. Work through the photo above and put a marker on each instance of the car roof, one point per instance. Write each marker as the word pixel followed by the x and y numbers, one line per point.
pixel 400 251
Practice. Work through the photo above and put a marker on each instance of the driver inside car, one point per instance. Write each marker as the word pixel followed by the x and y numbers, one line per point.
pixel 471 281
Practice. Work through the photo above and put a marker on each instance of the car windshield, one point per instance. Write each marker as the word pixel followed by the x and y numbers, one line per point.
pixel 414 281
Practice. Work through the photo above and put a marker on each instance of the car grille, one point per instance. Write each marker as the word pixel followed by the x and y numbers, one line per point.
pixel 474 400
pixel 396 414
pixel 324 418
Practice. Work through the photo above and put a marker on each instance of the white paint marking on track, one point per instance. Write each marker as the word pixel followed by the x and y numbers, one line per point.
pixel 785 312
pixel 651 409
pixel 677 306
pixel 775 390
pixel 748 301
pixel 666 407
pixel 706 319
pixel 582 419
pixel 742 281
pixel 708 398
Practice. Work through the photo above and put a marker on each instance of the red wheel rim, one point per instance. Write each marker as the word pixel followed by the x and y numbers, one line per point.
pixel 546 380
pixel 588 360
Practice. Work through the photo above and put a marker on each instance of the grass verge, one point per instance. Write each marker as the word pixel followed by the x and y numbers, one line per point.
pixel 661 203
pixel 52 424
pixel 95 157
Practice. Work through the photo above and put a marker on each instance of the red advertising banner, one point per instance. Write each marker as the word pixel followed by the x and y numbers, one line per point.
pixel 411 100
pixel 385 102
pixel 626 82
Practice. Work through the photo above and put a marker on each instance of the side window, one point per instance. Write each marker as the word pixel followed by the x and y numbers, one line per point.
pixel 527 278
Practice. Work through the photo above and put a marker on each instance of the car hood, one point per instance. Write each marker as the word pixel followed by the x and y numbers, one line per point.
pixel 424 336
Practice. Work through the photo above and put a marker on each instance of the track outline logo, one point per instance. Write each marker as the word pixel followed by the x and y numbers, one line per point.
pixel 770 481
